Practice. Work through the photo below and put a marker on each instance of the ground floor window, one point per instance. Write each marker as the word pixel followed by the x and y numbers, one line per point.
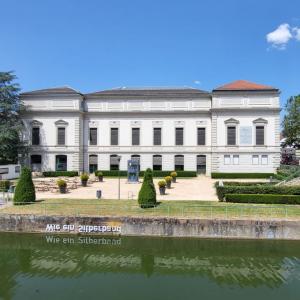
pixel 93 163
pixel 136 157
pixel 179 163
pixel 36 162
pixel 114 162
pixel 157 162
pixel 201 164
pixel 61 162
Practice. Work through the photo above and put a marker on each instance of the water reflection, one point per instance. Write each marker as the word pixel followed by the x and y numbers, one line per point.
pixel 225 263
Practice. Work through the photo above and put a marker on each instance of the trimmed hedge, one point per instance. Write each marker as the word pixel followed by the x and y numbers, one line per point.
pixel 147 193
pixel 4 185
pixel 218 175
pixel 258 189
pixel 266 199
pixel 60 173
pixel 237 183
pixel 115 173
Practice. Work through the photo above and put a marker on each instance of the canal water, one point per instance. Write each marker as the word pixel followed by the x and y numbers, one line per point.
pixel 128 268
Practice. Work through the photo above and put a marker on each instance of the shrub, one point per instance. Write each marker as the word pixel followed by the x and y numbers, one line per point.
pixel 115 173
pixel 25 191
pixel 168 179
pixel 241 175
pixel 173 174
pixel 162 183
pixel 237 183
pixel 61 183
pixel 98 173
pixel 147 193
pixel 60 173
pixel 267 199
pixel 4 185
pixel 84 177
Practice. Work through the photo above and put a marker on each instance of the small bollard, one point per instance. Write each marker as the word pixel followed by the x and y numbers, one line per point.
pixel 98 194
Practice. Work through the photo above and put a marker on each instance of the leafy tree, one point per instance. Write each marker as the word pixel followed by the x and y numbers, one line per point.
pixel 25 191
pixel 291 122
pixel 10 122
pixel 147 193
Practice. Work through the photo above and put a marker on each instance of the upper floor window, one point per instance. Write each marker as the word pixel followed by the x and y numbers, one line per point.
pixel 200 136
pixel 135 136
pixel 231 135
pixel 114 136
pixel 93 136
pixel 260 135
pixel 35 136
pixel 61 135
pixel 156 136
pixel 179 136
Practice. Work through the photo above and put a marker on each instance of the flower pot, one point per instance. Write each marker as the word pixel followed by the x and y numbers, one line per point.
pixel 62 189
pixel 162 190
pixel 84 182
pixel 168 184
pixel 174 179
pixel 100 178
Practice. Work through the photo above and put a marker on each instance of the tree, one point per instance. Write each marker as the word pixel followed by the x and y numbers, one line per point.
pixel 147 193
pixel 11 125
pixel 25 191
pixel 291 122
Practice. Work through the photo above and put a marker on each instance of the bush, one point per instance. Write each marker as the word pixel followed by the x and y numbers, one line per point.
pixel 61 183
pixel 240 175
pixel 256 189
pixel 267 199
pixel 4 185
pixel 115 173
pixel 60 173
pixel 25 191
pixel 237 183
pixel 168 179
pixel 162 183
pixel 84 177
pixel 173 174
pixel 147 193
pixel 98 173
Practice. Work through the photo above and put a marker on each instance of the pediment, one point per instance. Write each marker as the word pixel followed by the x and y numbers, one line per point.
pixel 61 123
pixel 260 121
pixel 231 121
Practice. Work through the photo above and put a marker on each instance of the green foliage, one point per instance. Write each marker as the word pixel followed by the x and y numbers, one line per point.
pixel 147 193
pixel 237 183
pixel 256 189
pixel 162 183
pixel 84 177
pixel 25 191
pixel 291 121
pixel 173 174
pixel 267 199
pixel 98 173
pixel 4 185
pixel 218 175
pixel 61 183
pixel 168 179
pixel 60 173
pixel 115 173
pixel 10 121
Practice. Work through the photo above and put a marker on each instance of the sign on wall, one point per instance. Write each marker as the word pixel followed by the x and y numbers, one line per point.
pixel 246 135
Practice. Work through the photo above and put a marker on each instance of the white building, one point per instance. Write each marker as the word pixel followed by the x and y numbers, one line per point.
pixel 234 128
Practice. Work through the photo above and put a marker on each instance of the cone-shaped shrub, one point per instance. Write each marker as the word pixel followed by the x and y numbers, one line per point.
pixel 25 191
pixel 147 194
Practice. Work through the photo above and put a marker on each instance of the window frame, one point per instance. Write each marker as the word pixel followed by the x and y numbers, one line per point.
pixel 118 136
pixel 90 140
pixel 198 144
pixel 177 128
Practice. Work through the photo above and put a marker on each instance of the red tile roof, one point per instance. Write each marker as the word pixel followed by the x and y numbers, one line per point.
pixel 243 85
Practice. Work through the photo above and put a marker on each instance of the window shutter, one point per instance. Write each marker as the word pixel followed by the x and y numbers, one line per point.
pixel 157 136
pixel 114 136
pixel 135 136
pixel 61 137
pixel 179 136
pixel 260 135
pixel 35 136
pixel 231 135
pixel 201 136
pixel 93 136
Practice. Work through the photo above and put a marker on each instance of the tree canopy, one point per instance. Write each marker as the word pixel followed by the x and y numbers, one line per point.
pixel 291 122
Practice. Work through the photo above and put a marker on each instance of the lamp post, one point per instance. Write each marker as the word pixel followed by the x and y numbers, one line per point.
pixel 119 181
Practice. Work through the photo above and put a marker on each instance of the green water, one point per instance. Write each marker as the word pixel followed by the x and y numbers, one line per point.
pixel 69 267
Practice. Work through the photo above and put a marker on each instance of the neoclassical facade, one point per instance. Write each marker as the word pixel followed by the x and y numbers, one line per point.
pixel 234 128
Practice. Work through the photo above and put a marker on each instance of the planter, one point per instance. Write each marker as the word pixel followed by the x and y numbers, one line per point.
pixel 84 182
pixel 168 184
pixel 62 189
pixel 162 190
pixel 174 179
pixel 100 178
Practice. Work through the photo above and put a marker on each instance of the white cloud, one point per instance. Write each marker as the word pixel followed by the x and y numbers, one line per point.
pixel 296 31
pixel 280 36
pixel 197 82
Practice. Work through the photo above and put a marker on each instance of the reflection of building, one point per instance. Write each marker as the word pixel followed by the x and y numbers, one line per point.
pixel 235 128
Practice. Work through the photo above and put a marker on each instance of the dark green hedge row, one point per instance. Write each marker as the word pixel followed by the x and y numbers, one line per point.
pixel 60 173
pixel 237 183
pixel 240 175
pixel 267 199
pixel 4 185
pixel 155 173
pixel 258 189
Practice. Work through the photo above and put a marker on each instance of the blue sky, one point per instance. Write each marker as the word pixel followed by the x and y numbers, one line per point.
pixel 95 45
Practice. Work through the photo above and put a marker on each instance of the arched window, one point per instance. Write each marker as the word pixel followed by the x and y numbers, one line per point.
pixel 136 157
pixel 157 162
pixel 93 163
pixel 61 163
pixel 201 164
pixel 36 162
pixel 179 163
pixel 114 162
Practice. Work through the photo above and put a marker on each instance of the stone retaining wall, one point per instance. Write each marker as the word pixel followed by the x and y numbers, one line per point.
pixel 205 228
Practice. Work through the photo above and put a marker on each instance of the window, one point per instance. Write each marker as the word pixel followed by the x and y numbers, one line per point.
pixel 227 160
pixel 35 136
pixel 260 135
pixel 93 136
pixel 179 136
pixel 179 163
pixel 61 162
pixel 135 136
pixel 264 159
pixel 36 162
pixel 231 135
pixel 136 157
pixel 201 136
pixel 114 136
pixel 255 159
pixel 157 162
pixel 61 136
pixel 17 169
pixel 236 159
pixel 114 162
pixel 93 163
pixel 201 164
pixel 4 170
pixel 156 136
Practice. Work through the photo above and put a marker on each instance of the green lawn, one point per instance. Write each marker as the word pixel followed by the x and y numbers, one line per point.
pixel 183 209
